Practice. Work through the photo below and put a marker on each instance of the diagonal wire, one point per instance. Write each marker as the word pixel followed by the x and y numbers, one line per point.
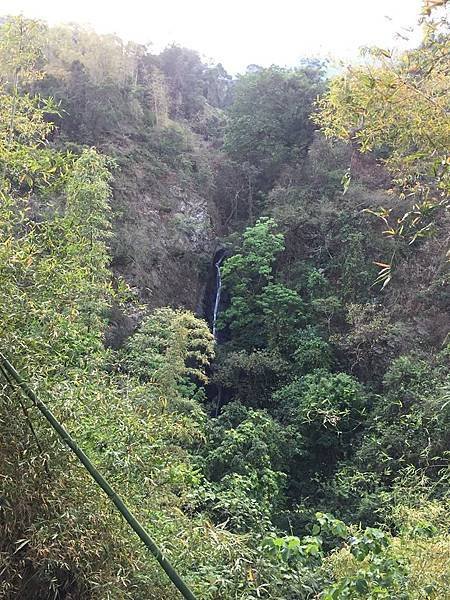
pixel 100 480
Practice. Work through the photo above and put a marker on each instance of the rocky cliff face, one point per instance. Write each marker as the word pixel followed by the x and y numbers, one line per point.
pixel 166 249
pixel 166 226
pixel 160 118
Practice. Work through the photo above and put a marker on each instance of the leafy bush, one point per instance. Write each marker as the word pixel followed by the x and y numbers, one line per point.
pixel 251 376
pixel 325 409
pixel 311 352
pixel 171 349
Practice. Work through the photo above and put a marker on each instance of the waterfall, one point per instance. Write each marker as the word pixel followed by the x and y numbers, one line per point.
pixel 218 292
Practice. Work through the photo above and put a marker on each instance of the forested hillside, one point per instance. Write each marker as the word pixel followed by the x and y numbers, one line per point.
pixel 148 200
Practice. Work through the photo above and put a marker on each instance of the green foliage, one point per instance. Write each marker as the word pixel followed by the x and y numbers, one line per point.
pixel 378 571
pixel 379 574
pixel 371 341
pixel 184 70
pixel 251 375
pixel 311 352
pixel 260 246
pixel 253 440
pixel 269 119
pixel 291 548
pixel 398 104
pixel 408 422
pixel 21 49
pixel 244 455
pixel 374 564
pixel 63 261
pixel 282 312
pixel 330 400
pixel 172 350
pixel 261 312
pixel 245 276
pixel 325 410
pixel 243 502
pixel 24 118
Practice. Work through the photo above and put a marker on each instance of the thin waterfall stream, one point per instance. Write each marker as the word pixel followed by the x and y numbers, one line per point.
pixel 218 293
pixel 214 300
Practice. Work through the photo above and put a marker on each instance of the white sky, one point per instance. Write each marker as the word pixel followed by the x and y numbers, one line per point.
pixel 239 32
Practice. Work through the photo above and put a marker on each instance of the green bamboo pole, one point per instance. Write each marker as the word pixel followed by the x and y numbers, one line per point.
pixel 101 481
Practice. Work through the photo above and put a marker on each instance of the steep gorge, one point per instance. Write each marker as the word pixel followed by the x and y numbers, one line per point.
pixel 275 415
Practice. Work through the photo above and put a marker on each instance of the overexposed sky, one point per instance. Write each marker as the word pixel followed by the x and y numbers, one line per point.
pixel 239 32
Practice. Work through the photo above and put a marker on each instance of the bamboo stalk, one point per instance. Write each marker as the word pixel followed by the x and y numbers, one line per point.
pixel 101 481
